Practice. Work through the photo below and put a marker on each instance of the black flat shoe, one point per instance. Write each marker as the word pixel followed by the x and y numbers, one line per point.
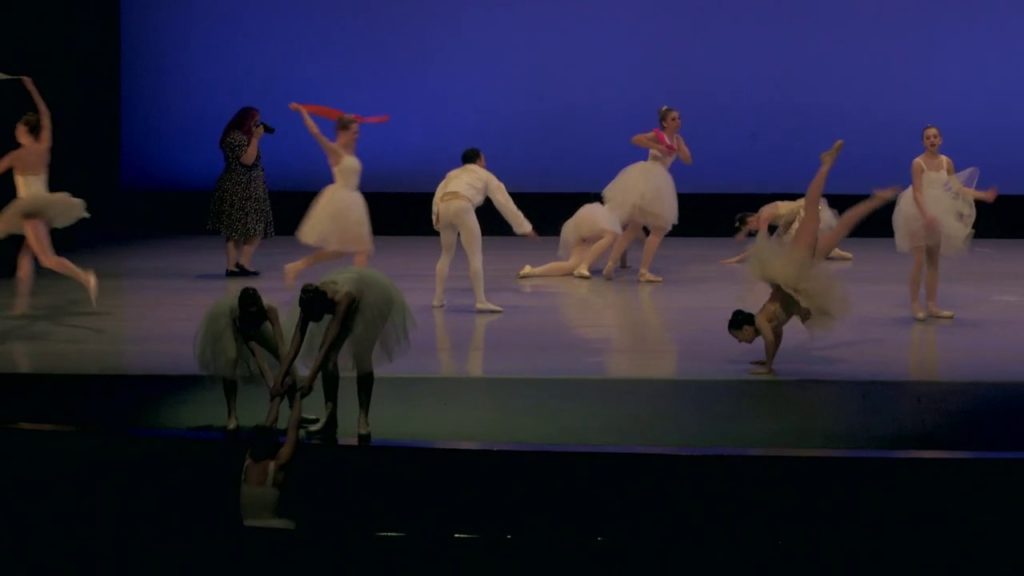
pixel 234 273
pixel 245 271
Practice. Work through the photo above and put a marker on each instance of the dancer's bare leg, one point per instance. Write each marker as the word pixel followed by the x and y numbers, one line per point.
pixel 650 249
pixel 37 236
pixel 849 220
pixel 293 269
pixel 24 277
pixel 231 251
pixel 230 398
pixel 915 283
pixel 561 268
pixel 805 239
pixel 931 283
pixel 632 231
pixel 364 391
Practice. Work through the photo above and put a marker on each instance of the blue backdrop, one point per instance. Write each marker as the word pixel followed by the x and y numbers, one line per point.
pixel 552 90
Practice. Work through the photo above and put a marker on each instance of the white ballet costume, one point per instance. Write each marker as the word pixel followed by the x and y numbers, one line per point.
pixel 645 192
pixel 338 219
pixel 942 197
pixel 380 321
pixel 34 201
pixel 588 224
pixel 790 213
pixel 220 349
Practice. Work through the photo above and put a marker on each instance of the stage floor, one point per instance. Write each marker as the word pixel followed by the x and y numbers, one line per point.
pixel 153 294
pixel 573 361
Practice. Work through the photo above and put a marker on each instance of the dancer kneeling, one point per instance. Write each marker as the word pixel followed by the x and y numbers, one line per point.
pixel 585 237
pixel 800 286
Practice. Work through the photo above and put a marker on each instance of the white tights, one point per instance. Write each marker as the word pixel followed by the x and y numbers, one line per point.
pixel 457 219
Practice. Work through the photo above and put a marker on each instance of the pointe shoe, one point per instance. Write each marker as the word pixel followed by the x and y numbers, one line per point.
pixel 581 273
pixel 830 156
pixel 92 284
pixel 526 272
pixel 437 304
pixel 487 307
pixel 245 270
pixel 837 254
pixel 609 272
pixel 645 276
pixel 918 314
pixel 942 314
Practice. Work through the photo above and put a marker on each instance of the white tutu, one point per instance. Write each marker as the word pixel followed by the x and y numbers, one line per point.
pixel 954 212
pixel 219 348
pixel 380 325
pixel 809 283
pixel 643 192
pixel 338 219
pixel 792 214
pixel 57 209
pixel 589 222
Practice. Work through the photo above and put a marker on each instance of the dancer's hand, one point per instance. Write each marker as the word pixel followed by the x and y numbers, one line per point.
pixel 733 260
pixel 989 196
pixel 931 222
pixel 27 81
pixel 307 388
pixel 531 234
pixel 295 107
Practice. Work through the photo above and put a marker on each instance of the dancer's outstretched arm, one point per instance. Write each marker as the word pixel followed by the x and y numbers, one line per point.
pixel 327 345
pixel 331 150
pixel 45 122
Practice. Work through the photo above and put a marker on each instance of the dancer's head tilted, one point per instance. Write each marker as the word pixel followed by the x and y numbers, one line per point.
pixel 742 326
pixel 28 129
pixel 314 302
pixel 668 119
pixel 252 313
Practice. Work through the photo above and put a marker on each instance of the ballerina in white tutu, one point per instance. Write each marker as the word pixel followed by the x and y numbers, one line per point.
pixel 786 216
pixel 36 210
pixel 934 216
pixel 338 221
pixel 585 237
pixel 643 195
pixel 369 324
pixel 229 339
pixel 800 286
pixel 453 213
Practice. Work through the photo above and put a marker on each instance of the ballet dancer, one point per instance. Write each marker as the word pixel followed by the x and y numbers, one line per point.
pixel 800 286
pixel 338 221
pixel 585 237
pixel 36 210
pixel 786 216
pixel 934 216
pixel 643 194
pixel 454 216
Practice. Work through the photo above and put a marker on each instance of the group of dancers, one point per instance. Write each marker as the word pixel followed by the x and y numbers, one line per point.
pixel 934 215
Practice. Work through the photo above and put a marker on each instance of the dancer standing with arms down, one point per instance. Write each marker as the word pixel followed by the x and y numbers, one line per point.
pixel 800 285
pixel 643 194
pixel 241 204
pixel 934 216
pixel 36 210
pixel 338 221
pixel 454 216
pixel 585 237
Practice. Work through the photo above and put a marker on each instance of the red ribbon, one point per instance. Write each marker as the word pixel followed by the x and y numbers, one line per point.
pixel 334 114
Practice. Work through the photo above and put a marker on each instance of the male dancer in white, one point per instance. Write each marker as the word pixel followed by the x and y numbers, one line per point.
pixel 454 216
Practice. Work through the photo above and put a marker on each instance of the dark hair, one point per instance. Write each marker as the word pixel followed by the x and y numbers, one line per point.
pixel 930 127
pixel 471 155
pixel 739 320
pixel 243 121
pixel 264 443
pixel 663 115
pixel 743 218
pixel 345 123
pixel 252 313
pixel 313 302
pixel 32 123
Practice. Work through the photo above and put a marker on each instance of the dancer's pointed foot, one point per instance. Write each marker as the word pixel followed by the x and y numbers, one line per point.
pixel 526 272
pixel 438 303
pixel 609 271
pixel 829 156
pixel 887 194
pixel 646 276
pixel 837 254
pixel 581 273
pixel 936 312
pixel 487 307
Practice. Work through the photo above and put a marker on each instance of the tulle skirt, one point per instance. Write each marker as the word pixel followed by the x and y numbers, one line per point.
pixel 589 222
pixel 339 220
pixel 953 211
pixel 219 348
pixel 827 219
pixel 804 278
pixel 57 209
pixel 379 326
pixel 643 192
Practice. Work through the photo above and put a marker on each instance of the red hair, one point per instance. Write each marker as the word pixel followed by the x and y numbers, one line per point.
pixel 242 121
